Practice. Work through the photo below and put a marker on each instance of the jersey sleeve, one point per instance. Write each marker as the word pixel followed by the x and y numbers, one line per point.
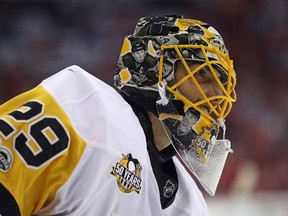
pixel 35 142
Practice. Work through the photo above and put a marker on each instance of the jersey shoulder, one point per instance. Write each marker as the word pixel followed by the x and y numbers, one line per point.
pixel 74 83
pixel 88 101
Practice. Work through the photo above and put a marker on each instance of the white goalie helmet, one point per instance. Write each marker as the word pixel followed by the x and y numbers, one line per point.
pixel 146 74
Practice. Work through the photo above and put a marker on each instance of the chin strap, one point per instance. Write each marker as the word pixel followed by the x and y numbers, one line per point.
pixel 222 124
pixel 162 92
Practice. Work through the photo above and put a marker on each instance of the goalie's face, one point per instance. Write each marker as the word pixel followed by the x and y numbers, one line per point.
pixel 204 78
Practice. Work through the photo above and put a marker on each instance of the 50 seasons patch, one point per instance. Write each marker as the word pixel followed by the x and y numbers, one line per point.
pixel 127 172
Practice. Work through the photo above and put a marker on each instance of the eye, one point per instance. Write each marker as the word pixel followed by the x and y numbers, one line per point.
pixel 202 73
pixel 204 76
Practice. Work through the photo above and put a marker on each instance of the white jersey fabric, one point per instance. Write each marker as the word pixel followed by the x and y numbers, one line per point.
pixel 108 167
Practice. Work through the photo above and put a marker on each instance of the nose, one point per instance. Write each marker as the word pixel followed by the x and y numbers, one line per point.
pixel 214 90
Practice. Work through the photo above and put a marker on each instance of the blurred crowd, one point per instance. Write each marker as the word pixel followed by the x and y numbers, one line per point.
pixel 39 38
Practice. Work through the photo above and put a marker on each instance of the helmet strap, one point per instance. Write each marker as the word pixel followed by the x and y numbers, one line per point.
pixel 162 92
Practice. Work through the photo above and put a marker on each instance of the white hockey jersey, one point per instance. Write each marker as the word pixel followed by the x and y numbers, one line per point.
pixel 73 146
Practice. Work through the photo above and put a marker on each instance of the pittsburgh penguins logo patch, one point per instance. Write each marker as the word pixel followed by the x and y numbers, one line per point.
pixel 127 172
pixel 5 159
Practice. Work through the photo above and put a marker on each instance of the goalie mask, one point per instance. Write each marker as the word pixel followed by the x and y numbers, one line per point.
pixel 148 73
